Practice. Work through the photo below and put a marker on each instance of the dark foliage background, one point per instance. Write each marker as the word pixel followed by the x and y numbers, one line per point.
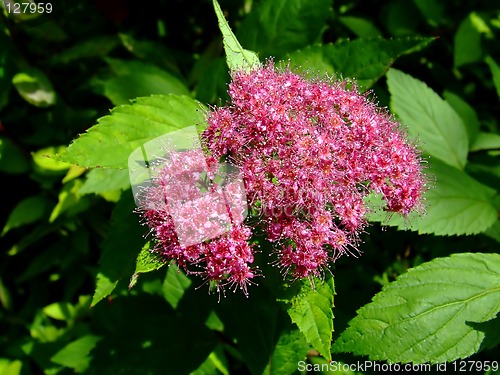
pixel 90 56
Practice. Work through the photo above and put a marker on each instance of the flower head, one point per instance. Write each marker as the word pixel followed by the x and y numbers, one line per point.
pixel 309 152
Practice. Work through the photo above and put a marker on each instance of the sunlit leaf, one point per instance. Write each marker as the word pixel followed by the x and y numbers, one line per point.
pixel 110 142
pixel 311 310
pixel 429 118
pixel 76 354
pixel 456 204
pixel 236 56
pixel 429 313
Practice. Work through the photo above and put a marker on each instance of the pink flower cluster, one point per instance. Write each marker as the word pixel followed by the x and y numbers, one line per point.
pixel 309 153
pixel 197 221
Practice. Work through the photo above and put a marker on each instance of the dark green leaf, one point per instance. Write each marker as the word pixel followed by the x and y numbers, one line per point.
pixel 363 60
pixel 427 314
pixel 429 118
pixel 135 78
pixel 110 142
pixel 362 27
pixel 495 72
pixel 121 246
pixel 27 211
pixel 433 11
pixel 275 27
pixel 92 47
pixel 12 160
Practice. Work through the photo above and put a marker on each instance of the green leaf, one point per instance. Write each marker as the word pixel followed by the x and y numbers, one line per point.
pixel 237 58
pixel 101 180
pixel 120 247
pixel 91 47
pixel 362 27
pixel 27 211
pixel 60 311
pixel 136 78
pixel 456 205
pixel 275 27
pixel 110 142
pixel 428 313
pixel 34 86
pixel 429 118
pixel 75 355
pixel 12 160
pixel 70 201
pixel 365 60
pixel 467 43
pixel 291 348
pixel 8 367
pixel 104 287
pixel 433 11
pixel 466 113
pixel 311 310
pixel 46 163
pixel 146 262
pixel 486 141
pixel 175 284
pixel 495 72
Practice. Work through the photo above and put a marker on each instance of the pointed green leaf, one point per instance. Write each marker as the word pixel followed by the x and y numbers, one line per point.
pixel 365 60
pixel 175 284
pixel 428 314
pixel 60 311
pixel 146 262
pixel 457 204
pixel 275 27
pixel 311 310
pixel 429 118
pixel 110 142
pixel 104 287
pixel 34 86
pixel 27 211
pixel 236 56
pixel 75 355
